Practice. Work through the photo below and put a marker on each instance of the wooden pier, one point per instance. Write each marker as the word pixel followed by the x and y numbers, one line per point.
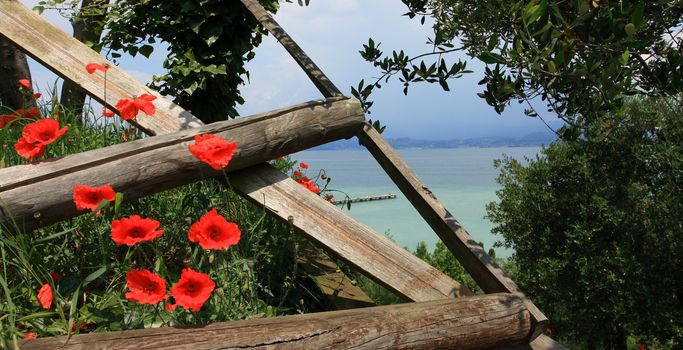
pixel 365 198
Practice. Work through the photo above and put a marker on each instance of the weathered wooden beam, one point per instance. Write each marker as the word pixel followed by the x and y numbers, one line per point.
pixel 355 243
pixel 67 57
pixel 150 165
pixel 319 79
pixel 338 290
pixel 542 342
pixel 479 322
pixel 472 256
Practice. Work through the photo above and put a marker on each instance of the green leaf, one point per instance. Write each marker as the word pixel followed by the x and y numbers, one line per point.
pixel 117 203
pixel 637 15
pixel 146 50
pixel 95 275
pixel 491 58
pixel 43 314
pixel 624 57
pixel 630 29
pixel 211 33
pixel 535 12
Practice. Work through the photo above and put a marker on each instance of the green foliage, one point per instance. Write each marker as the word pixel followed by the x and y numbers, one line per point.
pixel 209 43
pixel 596 227
pixel 580 56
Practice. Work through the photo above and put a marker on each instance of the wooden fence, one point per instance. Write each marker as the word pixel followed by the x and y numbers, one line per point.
pixel 503 317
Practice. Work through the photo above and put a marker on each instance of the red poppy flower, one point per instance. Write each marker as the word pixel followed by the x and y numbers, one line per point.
pixel 45 296
pixel 25 83
pixel 213 150
pixel 29 150
pixel 55 276
pixel 86 197
pixel 170 307
pixel 310 185
pixel 31 113
pixel 144 103
pixel 642 347
pixel 29 336
pixel 193 289
pixel 303 165
pixel 213 231
pixel 145 287
pixel 43 132
pixel 108 113
pixel 128 109
pixel 92 67
pixel 329 197
pixel 7 119
pixel 37 95
pixel 297 173
pixel 130 231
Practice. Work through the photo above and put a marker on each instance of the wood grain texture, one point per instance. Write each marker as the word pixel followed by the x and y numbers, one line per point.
pixel 357 244
pixel 474 259
pixel 150 165
pixel 319 79
pixel 542 342
pixel 67 57
pixel 479 322
pixel 339 290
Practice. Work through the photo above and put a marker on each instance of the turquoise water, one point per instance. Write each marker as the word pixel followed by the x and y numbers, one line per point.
pixel 463 179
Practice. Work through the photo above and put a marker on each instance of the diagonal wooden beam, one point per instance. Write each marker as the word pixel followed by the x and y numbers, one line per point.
pixel 319 79
pixel 335 231
pixel 67 57
pixel 424 282
pixel 475 260
pixel 472 256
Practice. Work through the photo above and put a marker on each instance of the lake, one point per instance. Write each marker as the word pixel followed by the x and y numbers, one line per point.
pixel 463 179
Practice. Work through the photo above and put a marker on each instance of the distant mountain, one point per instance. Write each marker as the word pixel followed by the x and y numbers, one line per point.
pixel 532 139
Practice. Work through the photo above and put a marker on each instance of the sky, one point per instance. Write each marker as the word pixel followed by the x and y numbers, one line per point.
pixel 332 33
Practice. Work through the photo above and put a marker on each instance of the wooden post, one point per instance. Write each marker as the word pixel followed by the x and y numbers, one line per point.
pixel 479 322
pixel 153 164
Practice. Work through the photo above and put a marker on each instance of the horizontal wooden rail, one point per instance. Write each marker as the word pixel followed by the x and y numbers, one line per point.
pixel 355 243
pixel 67 57
pixel 150 165
pixel 479 322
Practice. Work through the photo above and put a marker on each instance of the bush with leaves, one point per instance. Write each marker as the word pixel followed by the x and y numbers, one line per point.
pixel 596 227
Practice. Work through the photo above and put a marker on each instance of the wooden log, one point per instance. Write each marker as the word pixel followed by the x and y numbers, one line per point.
pixel 472 256
pixel 355 243
pixel 150 165
pixel 479 322
pixel 67 57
